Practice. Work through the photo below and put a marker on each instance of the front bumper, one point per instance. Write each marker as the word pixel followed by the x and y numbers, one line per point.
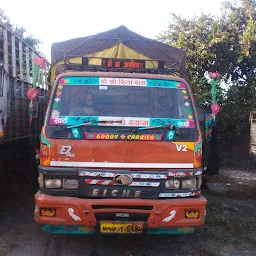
pixel 80 216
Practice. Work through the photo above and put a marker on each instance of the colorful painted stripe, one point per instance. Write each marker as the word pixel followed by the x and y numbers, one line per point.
pixel 208 123
pixel 68 229
pixel 113 174
pixel 198 145
pixel 122 165
pixel 194 107
pixel 122 136
pixel 208 135
pixel 208 117
pixel 179 194
pixel 184 174
pixel 81 230
pixel 113 183
pixel 45 141
pixel 100 182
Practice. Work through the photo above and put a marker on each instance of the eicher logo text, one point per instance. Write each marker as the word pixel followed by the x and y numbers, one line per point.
pixel 114 193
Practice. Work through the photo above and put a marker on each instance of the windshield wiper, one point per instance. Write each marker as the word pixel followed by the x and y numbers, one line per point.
pixel 168 126
pixel 95 122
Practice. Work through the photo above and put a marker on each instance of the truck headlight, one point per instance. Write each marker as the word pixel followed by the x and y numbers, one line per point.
pixel 52 183
pixel 188 183
pixel 172 184
pixel 70 184
pixel 41 180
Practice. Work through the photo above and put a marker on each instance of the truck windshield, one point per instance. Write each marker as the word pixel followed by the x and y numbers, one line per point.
pixel 73 102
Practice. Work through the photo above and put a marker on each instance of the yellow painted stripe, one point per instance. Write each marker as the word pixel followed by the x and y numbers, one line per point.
pixel 190 145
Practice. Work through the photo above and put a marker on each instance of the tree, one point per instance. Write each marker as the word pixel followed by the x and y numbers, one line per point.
pixel 226 44
pixel 19 31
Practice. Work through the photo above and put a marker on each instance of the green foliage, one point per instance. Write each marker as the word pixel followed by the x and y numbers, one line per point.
pixel 225 44
pixel 204 92
pixel 19 31
pixel 234 116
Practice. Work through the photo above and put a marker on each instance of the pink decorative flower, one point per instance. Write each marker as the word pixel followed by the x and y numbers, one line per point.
pixel 40 61
pixel 32 93
pixel 215 108
pixel 214 75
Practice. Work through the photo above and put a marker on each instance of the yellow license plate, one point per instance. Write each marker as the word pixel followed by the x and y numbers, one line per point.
pixel 113 227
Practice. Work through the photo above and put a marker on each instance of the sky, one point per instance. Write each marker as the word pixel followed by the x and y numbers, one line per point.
pixel 54 20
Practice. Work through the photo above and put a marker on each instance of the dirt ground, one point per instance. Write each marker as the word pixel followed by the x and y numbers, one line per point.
pixel 230 223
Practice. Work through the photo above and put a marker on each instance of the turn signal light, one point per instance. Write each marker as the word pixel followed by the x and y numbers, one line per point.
pixel 47 212
pixel 192 214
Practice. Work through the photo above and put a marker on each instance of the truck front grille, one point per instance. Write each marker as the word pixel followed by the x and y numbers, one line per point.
pixel 113 217
pixel 133 207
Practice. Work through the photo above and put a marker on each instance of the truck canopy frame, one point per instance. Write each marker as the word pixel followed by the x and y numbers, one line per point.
pixel 16 76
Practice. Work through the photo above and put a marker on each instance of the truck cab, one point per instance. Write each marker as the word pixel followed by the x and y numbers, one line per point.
pixel 120 153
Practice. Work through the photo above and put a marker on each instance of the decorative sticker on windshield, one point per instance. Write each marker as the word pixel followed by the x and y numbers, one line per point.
pixel 125 121
pixel 55 114
pixel 79 80
pixel 122 121
pixel 59 120
pixel 180 85
pixel 122 136
pixel 58 93
pixel 76 120
pixel 121 82
pixel 56 107
pixel 188 109
pixel 162 83
pixel 179 123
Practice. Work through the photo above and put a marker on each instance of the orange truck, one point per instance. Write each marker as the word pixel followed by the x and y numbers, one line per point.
pixel 121 147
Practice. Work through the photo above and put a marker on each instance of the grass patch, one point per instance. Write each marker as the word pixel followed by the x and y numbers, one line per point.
pixel 215 217
pixel 227 225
